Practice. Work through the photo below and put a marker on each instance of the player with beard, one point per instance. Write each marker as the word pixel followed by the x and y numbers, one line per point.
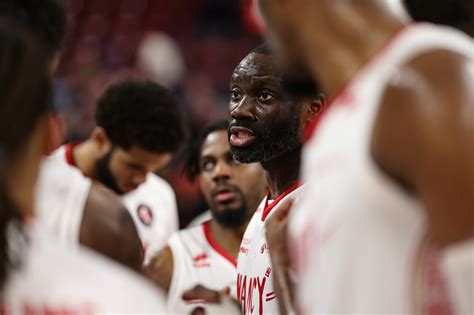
pixel 139 127
pixel 207 254
pixel 266 126
pixel 386 225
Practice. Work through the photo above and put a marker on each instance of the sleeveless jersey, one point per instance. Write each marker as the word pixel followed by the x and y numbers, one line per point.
pixel 55 279
pixel 61 195
pixel 355 234
pixel 255 290
pixel 152 206
pixel 197 260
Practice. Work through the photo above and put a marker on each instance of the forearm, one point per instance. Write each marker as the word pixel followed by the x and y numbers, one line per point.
pixel 283 285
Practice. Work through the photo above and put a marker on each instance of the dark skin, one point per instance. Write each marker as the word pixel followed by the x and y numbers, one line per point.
pixel 105 223
pixel 218 172
pixel 257 95
pixel 431 156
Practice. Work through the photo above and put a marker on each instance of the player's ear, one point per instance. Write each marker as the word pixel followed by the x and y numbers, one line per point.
pixel 99 136
pixel 316 106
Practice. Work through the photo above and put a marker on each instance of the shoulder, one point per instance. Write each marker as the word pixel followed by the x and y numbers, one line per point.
pixel 106 223
pixel 155 182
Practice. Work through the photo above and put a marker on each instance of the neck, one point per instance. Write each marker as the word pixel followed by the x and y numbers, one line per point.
pixel 228 238
pixel 85 155
pixel 336 49
pixel 282 173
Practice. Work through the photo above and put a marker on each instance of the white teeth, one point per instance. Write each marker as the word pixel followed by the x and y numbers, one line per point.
pixel 243 135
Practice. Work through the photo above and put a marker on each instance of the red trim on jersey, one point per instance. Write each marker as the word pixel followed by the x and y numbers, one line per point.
pixel 269 207
pixel 312 126
pixel 215 246
pixel 68 152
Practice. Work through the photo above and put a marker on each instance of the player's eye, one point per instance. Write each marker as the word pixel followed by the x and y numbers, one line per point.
pixel 265 97
pixel 207 166
pixel 235 95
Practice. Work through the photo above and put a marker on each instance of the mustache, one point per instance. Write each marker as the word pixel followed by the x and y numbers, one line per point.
pixel 253 126
pixel 221 187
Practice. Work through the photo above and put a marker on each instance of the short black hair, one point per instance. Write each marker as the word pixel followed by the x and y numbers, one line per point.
pixel 46 19
pixel 193 154
pixel 455 13
pixel 144 114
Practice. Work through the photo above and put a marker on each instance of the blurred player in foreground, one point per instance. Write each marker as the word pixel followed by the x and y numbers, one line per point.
pixel 65 198
pixel 386 224
pixel 37 274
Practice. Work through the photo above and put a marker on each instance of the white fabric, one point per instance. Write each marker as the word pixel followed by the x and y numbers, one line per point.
pixel 155 194
pixel 197 261
pixel 355 233
pixel 61 195
pixel 159 197
pixel 254 287
pixel 457 263
pixel 55 279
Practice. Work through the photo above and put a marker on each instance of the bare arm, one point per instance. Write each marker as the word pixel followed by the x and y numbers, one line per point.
pixel 108 228
pixel 424 136
pixel 160 268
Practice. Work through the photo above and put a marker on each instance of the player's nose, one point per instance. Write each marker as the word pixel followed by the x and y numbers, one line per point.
pixel 244 110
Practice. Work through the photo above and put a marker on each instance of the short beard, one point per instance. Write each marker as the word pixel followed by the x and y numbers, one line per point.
pixel 104 175
pixel 272 143
pixel 231 218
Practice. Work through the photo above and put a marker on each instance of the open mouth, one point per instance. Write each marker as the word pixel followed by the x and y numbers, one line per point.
pixel 224 195
pixel 241 137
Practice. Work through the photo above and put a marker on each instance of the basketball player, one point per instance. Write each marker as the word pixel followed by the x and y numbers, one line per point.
pixel 266 126
pixel 388 167
pixel 207 254
pixel 139 127
pixel 38 275
pixel 65 198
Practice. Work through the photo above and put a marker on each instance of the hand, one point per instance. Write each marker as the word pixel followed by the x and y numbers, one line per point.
pixel 202 293
pixel 218 302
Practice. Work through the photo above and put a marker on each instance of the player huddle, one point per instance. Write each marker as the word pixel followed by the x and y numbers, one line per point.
pixel 342 182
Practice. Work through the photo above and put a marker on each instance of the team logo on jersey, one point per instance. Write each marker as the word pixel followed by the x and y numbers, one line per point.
pixel 145 215
pixel 200 261
pixel 264 248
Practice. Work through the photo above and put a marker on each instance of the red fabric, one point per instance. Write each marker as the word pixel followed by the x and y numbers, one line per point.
pixel 269 208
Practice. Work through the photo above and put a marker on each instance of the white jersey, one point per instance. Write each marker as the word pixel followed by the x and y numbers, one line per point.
pixel 355 234
pixel 200 219
pixel 152 206
pixel 55 279
pixel 197 260
pixel 255 290
pixel 61 195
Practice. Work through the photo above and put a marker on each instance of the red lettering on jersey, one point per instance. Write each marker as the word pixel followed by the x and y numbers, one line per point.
pixel 241 290
pixel 244 250
pixel 245 293
pixel 252 285
pixel 261 287
pixel 268 272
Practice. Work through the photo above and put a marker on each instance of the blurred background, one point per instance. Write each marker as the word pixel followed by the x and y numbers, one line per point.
pixel 190 46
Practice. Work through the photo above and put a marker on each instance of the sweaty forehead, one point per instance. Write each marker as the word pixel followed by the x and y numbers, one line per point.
pixel 256 67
